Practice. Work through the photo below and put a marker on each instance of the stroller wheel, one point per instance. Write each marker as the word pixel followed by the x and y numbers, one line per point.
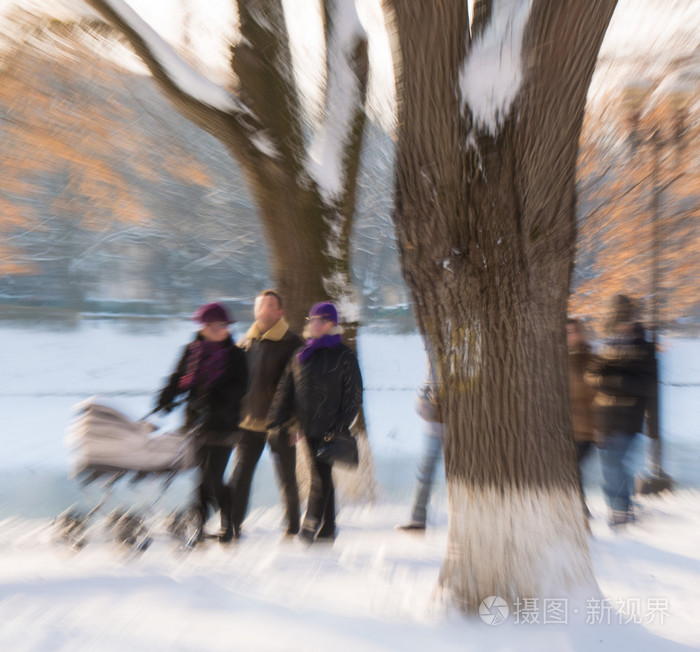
pixel 144 544
pixel 128 529
pixel 176 522
pixel 71 527
pixel 114 517
pixel 186 526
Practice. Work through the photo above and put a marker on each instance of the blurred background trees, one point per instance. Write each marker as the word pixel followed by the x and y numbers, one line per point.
pixel 111 201
pixel 639 200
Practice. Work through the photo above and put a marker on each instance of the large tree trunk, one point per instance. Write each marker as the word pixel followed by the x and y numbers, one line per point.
pixel 485 222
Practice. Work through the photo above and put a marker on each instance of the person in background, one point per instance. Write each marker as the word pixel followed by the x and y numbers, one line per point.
pixel 428 409
pixel 624 377
pixel 582 395
pixel 323 385
pixel 269 344
pixel 213 374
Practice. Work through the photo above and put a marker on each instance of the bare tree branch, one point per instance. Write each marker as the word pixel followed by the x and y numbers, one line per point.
pixel 209 105
pixel 335 155
pixel 349 53
pixel 263 64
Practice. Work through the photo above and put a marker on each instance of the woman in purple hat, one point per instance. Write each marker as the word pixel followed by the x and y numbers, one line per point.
pixel 323 386
pixel 212 372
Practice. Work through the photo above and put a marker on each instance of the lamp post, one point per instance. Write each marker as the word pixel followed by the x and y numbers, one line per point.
pixel 652 136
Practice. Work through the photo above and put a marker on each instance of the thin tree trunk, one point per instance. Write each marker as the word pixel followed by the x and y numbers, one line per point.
pixel 485 223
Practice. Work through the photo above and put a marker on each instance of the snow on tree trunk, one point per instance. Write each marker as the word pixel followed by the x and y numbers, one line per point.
pixel 485 223
pixel 514 546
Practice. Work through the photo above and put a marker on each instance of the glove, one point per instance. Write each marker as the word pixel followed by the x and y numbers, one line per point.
pixel 166 409
pixel 274 437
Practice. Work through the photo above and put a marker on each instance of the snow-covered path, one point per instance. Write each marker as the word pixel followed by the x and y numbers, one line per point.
pixel 372 590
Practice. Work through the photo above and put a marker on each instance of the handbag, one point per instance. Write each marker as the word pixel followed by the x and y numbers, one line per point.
pixel 340 447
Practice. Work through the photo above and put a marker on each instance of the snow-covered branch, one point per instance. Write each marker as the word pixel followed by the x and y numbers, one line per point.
pixel 345 97
pixel 164 61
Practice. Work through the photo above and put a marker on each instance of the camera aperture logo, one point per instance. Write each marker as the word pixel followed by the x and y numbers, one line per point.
pixel 494 610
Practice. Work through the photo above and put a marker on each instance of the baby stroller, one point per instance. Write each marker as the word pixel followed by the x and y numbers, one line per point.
pixel 106 446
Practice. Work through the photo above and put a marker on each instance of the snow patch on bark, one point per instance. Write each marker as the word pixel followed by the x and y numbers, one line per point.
pixel 381 85
pixel 491 74
pixel 304 24
pixel 337 284
pixel 515 543
pixel 335 240
pixel 263 143
pixel 342 293
pixel 343 99
pixel 464 358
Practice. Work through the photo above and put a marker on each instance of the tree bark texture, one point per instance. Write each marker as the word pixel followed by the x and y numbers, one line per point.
pixel 486 231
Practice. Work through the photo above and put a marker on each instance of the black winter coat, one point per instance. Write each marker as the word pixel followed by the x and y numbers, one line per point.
pixel 624 376
pixel 267 358
pixel 325 391
pixel 212 412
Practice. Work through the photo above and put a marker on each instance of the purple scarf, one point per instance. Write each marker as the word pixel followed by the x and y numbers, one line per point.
pixel 205 364
pixel 314 344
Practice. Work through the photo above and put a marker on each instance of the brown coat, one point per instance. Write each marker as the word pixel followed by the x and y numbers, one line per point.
pixel 625 379
pixel 267 355
pixel 582 395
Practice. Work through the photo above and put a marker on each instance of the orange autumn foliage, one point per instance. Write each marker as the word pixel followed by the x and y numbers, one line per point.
pixel 73 150
pixel 621 175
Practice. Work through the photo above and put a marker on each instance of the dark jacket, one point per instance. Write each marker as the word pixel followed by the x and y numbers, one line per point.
pixel 325 391
pixel 582 394
pixel 624 377
pixel 213 412
pixel 267 355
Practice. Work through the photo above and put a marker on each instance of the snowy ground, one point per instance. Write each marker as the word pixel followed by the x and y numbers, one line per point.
pixel 372 590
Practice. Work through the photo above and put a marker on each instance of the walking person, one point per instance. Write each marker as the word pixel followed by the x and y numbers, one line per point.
pixel 428 409
pixel 268 345
pixel 624 377
pixel 212 372
pixel 323 385
pixel 582 395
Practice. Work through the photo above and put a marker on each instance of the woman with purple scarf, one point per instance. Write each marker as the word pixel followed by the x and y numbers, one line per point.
pixel 322 385
pixel 212 372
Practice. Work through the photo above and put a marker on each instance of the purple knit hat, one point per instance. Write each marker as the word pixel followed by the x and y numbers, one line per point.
pixel 326 310
pixel 211 312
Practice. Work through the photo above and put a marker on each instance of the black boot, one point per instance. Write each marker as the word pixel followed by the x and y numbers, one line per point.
pixel 307 535
pixel 327 533
pixel 228 532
